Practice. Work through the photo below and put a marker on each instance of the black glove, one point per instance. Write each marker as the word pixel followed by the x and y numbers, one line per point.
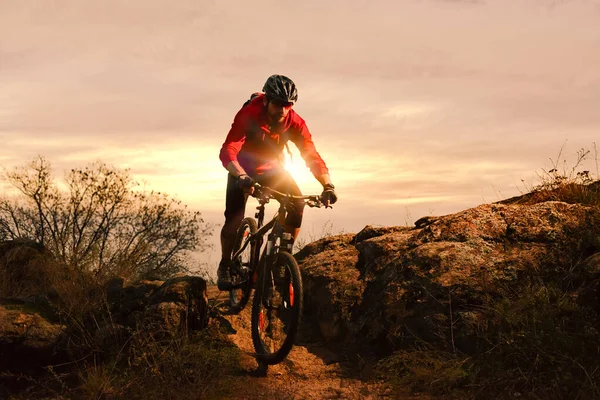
pixel 328 196
pixel 245 182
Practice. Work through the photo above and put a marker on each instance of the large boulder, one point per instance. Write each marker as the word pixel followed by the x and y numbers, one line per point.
pixel 332 284
pixel 26 268
pixel 32 335
pixel 387 288
pixel 29 336
pixel 30 332
pixel 176 305
pixel 179 304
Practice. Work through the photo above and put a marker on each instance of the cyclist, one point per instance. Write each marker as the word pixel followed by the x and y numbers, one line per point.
pixel 252 152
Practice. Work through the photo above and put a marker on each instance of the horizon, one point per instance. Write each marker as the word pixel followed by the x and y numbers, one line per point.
pixel 417 107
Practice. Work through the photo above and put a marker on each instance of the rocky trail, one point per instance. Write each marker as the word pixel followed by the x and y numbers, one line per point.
pixel 459 305
pixel 311 370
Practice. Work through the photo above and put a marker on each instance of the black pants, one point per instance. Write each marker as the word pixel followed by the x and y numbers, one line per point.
pixel 235 200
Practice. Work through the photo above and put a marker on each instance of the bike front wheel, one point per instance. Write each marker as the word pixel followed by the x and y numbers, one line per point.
pixel 277 308
pixel 242 267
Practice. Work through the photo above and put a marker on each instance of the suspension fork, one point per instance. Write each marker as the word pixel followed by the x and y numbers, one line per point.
pixel 272 248
pixel 286 240
pixel 266 261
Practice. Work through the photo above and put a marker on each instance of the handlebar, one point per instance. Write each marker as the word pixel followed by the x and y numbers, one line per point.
pixel 265 193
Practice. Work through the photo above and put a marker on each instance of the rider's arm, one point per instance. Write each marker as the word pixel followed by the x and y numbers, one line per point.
pixel 233 144
pixel 324 179
pixel 235 168
pixel 303 140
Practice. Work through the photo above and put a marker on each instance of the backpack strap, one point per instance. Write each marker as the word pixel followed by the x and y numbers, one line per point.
pixel 252 96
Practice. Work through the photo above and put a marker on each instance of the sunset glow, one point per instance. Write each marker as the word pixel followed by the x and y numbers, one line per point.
pixel 417 107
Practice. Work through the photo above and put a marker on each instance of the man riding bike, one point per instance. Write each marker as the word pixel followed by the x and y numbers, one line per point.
pixel 252 152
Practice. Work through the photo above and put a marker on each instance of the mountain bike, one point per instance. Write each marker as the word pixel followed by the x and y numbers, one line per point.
pixel 274 275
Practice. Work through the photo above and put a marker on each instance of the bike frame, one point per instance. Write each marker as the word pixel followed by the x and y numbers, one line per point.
pixel 273 272
pixel 276 224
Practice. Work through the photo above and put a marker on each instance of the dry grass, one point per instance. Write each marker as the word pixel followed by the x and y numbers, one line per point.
pixel 540 339
pixel 178 368
pixel 79 236
pixel 104 360
pixel 574 185
pixel 138 365
pixel 327 230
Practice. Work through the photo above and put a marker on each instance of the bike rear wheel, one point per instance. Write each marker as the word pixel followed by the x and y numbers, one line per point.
pixel 242 267
pixel 277 308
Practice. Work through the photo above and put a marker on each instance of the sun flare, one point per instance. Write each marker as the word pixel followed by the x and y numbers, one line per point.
pixel 295 165
pixel 290 165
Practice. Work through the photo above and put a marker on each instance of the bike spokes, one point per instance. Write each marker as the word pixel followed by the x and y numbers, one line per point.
pixel 242 266
pixel 239 274
pixel 276 309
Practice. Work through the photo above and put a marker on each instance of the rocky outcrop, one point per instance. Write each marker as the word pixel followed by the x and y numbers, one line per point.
pixel 35 332
pixel 26 268
pixel 175 305
pixel 390 287
pixel 29 335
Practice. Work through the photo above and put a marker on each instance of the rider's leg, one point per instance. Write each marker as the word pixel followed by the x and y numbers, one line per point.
pixel 285 183
pixel 293 230
pixel 235 204
pixel 293 221
pixel 228 238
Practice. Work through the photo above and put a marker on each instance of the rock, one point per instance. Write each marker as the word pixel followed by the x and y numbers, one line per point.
pixel 370 231
pixel 26 268
pixel 128 300
pixel 387 287
pixel 114 287
pixel 178 304
pixel 28 338
pixel 31 336
pixel 427 220
pixel 331 285
pixel 590 293
pixel 592 264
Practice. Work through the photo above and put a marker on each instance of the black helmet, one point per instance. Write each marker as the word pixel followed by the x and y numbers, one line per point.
pixel 280 88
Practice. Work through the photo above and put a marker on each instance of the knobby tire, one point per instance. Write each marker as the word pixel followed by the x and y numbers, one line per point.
pixel 238 297
pixel 292 313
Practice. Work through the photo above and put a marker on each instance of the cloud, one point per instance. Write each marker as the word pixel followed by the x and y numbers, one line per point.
pixel 414 105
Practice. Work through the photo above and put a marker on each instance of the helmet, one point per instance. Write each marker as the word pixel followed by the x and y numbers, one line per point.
pixel 280 88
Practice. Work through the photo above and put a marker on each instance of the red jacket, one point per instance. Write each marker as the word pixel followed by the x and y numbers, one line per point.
pixel 258 147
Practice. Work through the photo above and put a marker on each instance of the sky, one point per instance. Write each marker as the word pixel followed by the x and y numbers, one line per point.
pixel 418 107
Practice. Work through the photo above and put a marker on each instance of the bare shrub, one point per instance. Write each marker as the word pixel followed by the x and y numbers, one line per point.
pixel 99 224
pixel 94 225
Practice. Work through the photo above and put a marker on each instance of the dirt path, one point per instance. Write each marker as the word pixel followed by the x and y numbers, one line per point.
pixel 310 371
